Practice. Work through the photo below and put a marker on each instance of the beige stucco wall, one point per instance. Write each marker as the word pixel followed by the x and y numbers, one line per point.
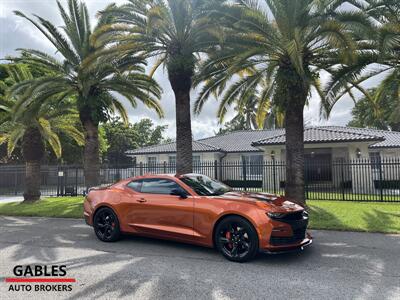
pixel 389 153
pixel 233 167
pixel 362 179
pixel 390 171
pixel 207 159
pixel 164 157
pixel 361 176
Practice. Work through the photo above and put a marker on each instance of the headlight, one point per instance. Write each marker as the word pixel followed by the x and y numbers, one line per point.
pixel 274 215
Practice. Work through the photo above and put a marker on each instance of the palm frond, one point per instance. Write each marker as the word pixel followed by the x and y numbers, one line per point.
pixel 53 35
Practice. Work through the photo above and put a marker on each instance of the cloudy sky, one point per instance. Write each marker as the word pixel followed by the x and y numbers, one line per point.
pixel 18 33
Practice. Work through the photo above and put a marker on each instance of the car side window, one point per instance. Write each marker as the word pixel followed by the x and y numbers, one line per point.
pixel 159 186
pixel 135 185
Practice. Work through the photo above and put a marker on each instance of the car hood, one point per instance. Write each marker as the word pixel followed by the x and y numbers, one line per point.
pixel 268 201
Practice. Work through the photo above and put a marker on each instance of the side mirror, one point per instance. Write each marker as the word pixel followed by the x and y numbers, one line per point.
pixel 179 192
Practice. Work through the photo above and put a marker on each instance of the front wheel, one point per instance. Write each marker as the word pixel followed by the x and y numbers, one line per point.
pixel 236 239
pixel 106 225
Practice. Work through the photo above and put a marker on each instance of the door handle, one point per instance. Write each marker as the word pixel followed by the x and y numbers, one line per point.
pixel 141 200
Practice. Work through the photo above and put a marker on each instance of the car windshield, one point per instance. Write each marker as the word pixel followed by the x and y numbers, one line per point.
pixel 205 186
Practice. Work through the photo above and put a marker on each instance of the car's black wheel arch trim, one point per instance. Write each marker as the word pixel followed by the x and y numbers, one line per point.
pixel 105 206
pixel 223 217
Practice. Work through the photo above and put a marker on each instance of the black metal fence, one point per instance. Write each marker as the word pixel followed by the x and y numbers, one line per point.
pixel 353 180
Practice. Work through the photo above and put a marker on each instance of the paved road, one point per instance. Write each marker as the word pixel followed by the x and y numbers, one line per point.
pixel 338 265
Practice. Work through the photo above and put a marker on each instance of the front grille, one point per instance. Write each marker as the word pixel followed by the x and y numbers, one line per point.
pixel 299 228
pixel 298 236
pixel 287 217
pixel 298 215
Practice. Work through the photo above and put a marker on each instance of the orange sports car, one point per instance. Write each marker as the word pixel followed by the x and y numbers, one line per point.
pixel 196 209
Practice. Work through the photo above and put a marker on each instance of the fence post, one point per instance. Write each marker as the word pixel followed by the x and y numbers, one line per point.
pixel 15 182
pixel 64 182
pixel 165 167
pixel 306 167
pixel 118 166
pixel 216 169
pixel 342 175
pixel 58 181
pixel 380 179
pixel 221 170
pixel 244 173
pixel 76 181
pixel 274 174
pixel 141 168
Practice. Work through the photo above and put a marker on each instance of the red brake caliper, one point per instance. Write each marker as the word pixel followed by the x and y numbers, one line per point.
pixel 228 235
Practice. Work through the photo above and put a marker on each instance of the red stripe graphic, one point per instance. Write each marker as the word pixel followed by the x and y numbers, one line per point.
pixel 33 279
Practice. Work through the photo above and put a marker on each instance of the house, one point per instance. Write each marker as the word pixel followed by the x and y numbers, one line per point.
pixel 324 143
pixel 326 148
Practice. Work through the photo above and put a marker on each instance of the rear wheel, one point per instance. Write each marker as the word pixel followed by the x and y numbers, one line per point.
pixel 106 225
pixel 236 239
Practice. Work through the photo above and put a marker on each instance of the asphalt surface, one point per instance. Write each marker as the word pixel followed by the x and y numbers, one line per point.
pixel 339 265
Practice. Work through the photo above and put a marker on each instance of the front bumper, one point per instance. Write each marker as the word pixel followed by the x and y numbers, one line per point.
pixel 287 233
pixel 88 220
pixel 87 212
pixel 288 248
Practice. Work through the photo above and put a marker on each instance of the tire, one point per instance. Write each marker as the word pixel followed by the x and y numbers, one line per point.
pixel 236 239
pixel 106 225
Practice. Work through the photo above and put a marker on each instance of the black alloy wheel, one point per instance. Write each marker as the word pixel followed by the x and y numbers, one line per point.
pixel 236 239
pixel 106 225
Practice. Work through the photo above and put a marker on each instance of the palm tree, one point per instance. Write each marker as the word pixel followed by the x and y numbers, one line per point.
pixel 248 113
pixel 177 32
pixel 287 43
pixel 91 70
pixel 379 115
pixel 245 113
pixel 382 47
pixel 35 125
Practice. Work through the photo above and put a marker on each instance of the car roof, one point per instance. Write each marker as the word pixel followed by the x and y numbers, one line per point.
pixel 168 175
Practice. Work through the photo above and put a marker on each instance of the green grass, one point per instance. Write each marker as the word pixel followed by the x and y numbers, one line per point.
pixel 348 195
pixel 62 207
pixel 331 215
pixel 355 216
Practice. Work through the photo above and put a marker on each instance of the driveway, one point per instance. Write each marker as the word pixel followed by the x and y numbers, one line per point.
pixel 339 265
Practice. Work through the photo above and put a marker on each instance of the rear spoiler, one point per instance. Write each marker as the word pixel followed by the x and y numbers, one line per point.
pixel 97 188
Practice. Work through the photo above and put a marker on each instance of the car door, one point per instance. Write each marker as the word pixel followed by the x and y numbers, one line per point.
pixel 155 211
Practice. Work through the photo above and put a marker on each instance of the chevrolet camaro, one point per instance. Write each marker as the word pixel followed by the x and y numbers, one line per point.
pixel 194 208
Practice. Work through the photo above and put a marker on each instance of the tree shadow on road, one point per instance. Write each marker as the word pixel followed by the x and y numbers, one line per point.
pixel 143 268
pixel 16 231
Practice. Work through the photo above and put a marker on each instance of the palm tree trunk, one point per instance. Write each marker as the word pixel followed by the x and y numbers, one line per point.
pixel 91 159
pixel 181 85
pixel 33 151
pixel 294 125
